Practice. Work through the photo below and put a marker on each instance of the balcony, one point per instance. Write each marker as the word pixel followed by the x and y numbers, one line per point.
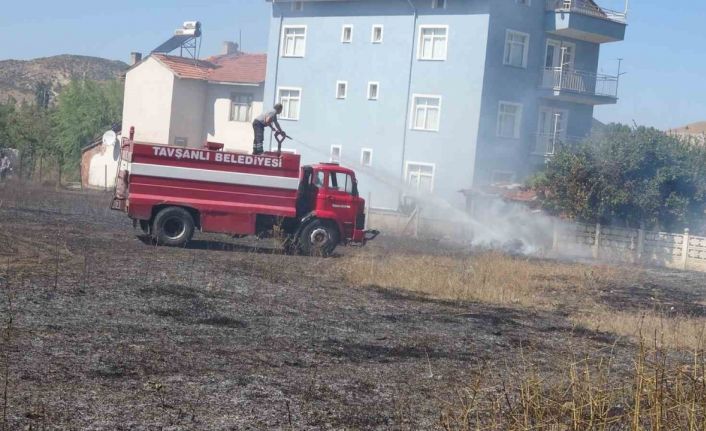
pixel 579 86
pixel 584 20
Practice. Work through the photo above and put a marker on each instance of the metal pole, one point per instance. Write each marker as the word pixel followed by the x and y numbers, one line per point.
pixel 556 128
pixel 106 177
pixel 561 68
pixel 617 81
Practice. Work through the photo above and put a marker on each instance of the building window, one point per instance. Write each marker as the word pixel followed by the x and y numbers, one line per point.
pixel 516 48
pixel 373 90
pixel 180 141
pixel 502 177
pixel 241 107
pixel 432 42
pixel 426 111
pixel 420 176
pixel 509 120
pixel 290 98
pixel 298 6
pixel 347 34
pixel 438 4
pixel 335 154
pixel 341 89
pixel 524 2
pixel 366 157
pixel 377 34
pixel 293 41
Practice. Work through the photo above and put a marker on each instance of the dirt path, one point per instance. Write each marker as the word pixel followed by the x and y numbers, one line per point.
pixel 112 333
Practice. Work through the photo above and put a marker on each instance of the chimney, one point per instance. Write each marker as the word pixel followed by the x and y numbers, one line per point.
pixel 230 48
pixel 135 57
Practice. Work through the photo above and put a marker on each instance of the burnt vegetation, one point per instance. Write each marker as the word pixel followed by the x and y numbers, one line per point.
pixel 100 330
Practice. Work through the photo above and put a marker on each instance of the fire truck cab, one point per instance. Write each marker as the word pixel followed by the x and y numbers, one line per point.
pixel 171 192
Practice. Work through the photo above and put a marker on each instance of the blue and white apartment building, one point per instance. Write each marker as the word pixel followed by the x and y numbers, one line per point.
pixel 443 95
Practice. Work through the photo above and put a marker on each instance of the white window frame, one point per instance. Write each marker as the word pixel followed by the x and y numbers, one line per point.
pixel 433 172
pixel 340 153
pixel 525 51
pixel 518 122
pixel 377 92
pixel 345 90
pixel 438 4
pixel 249 106
pixel 343 33
pixel 552 43
pixel 420 41
pixel 284 38
pixel 382 33
pixel 362 156
pixel 414 111
pixel 279 100
pixel 297 6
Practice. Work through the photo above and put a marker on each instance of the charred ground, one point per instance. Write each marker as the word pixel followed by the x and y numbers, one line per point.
pixel 106 331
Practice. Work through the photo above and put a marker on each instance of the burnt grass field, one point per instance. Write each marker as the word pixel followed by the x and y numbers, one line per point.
pixel 103 330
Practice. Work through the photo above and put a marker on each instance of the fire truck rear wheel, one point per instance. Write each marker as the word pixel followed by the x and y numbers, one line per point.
pixel 318 238
pixel 173 226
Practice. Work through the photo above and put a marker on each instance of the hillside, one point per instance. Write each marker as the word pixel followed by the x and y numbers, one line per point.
pixel 19 79
pixel 691 129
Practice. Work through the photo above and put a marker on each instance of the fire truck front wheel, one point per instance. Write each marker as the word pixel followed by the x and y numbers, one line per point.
pixel 318 238
pixel 173 226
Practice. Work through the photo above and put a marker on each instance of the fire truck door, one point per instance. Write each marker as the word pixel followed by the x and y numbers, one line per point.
pixel 340 200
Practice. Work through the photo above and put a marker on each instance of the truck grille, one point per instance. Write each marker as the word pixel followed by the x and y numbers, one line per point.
pixel 360 221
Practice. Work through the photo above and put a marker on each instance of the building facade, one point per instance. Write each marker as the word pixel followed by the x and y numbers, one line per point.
pixel 185 102
pixel 437 96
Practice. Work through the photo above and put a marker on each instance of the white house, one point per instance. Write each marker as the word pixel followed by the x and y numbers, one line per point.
pixel 187 102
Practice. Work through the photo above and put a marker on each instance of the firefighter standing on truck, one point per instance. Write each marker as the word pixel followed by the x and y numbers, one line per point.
pixel 268 119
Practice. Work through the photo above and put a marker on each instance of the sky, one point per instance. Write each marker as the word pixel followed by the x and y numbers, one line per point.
pixel 663 54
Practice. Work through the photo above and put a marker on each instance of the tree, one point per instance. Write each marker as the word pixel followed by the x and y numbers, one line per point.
pixel 29 131
pixel 85 109
pixel 6 112
pixel 633 177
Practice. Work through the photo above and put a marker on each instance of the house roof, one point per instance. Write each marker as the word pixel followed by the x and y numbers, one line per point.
pixel 242 68
pixel 187 68
pixel 238 68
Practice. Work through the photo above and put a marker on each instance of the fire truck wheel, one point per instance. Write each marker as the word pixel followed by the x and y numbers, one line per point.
pixel 318 238
pixel 173 226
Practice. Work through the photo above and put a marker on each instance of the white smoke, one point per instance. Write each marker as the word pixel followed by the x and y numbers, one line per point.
pixel 494 223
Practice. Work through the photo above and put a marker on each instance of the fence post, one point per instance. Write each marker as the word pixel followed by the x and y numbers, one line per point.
pixel 555 235
pixel 685 249
pixel 597 242
pixel 640 243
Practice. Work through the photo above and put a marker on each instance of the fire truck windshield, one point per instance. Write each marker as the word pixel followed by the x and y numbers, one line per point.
pixel 342 182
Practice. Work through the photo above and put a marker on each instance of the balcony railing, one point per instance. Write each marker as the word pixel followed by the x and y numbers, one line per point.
pixel 586 7
pixel 582 82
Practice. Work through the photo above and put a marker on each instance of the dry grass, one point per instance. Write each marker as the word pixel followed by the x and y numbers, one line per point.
pixel 679 332
pixel 490 277
pixel 658 394
pixel 496 278
pixel 663 391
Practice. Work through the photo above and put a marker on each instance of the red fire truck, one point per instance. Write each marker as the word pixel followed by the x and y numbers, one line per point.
pixel 172 191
